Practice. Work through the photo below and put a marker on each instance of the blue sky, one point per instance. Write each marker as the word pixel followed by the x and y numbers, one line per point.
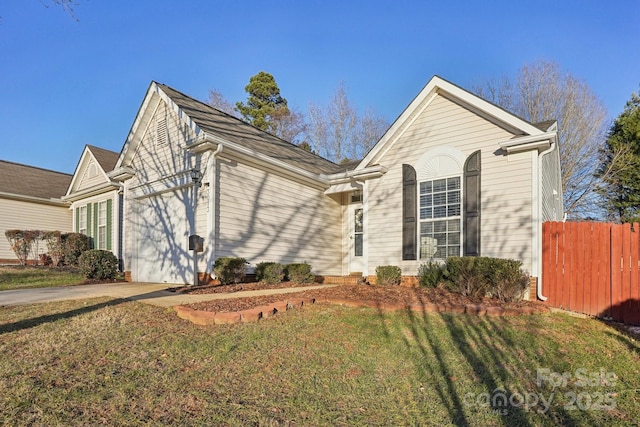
pixel 66 83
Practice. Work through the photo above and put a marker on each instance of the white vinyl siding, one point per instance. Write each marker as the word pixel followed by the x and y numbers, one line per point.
pixel 22 215
pixel 505 193
pixel 266 217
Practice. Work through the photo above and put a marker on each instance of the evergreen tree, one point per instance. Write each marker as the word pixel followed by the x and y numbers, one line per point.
pixel 620 165
pixel 264 105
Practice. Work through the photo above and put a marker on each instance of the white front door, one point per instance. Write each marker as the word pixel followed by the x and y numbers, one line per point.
pixel 356 238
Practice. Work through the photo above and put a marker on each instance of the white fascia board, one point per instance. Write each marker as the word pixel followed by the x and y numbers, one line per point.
pixel 122 173
pixel 372 172
pixel 77 170
pixel 438 86
pixel 31 199
pixel 162 185
pixel 530 142
pixel 93 191
pixel 140 123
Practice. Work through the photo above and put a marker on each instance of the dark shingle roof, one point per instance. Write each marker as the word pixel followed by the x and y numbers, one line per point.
pixel 31 181
pixel 106 158
pixel 215 122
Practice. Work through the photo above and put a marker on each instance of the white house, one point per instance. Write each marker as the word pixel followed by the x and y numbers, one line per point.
pixel 454 175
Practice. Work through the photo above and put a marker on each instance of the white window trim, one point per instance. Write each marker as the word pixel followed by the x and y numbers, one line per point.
pixel 82 217
pixel 446 218
pixel 102 243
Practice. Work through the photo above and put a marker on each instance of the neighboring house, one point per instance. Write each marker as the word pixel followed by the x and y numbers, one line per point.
pixel 96 200
pixel 30 199
pixel 454 175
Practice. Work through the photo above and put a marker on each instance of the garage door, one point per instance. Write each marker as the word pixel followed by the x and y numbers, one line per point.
pixel 161 239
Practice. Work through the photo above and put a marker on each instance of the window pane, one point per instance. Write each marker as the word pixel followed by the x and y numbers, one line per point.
pixel 439 226
pixel 453 197
pixel 454 238
pixel 453 225
pixel 453 183
pixel 426 213
pixel 358 220
pixel 453 210
pixel 426 200
pixel 453 251
pixel 358 245
pixel 425 187
pixel 440 212
pixel 439 199
pixel 439 185
pixel 426 228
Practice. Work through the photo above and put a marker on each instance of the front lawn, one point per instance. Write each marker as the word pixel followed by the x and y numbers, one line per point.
pixel 23 277
pixel 125 363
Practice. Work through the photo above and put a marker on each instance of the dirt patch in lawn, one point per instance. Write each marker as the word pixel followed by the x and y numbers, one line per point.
pixel 374 295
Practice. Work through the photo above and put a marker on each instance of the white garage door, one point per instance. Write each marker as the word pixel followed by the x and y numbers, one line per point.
pixel 161 239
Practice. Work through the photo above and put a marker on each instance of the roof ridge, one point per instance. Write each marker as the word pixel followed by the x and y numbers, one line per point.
pixel 35 167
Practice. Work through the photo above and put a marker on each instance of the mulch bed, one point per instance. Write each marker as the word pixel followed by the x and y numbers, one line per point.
pixel 376 295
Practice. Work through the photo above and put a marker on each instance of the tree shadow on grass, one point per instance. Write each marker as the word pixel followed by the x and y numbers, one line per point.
pixel 503 366
pixel 49 318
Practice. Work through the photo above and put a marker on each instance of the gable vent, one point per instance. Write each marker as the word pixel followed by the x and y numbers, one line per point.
pixel 161 132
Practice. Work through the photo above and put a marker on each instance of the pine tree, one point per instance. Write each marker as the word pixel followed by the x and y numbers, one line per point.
pixel 264 104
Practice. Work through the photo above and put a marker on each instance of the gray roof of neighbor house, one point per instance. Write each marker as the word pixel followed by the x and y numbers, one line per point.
pixel 106 158
pixel 544 126
pixel 215 122
pixel 32 181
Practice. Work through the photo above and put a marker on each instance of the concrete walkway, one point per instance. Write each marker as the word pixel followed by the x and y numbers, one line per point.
pixel 148 293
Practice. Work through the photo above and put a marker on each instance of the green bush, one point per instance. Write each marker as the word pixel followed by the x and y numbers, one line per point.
pixel 55 246
pixel 98 264
pixel 477 277
pixel 299 273
pixel 387 275
pixel 74 244
pixel 508 281
pixel 430 274
pixel 269 272
pixel 230 269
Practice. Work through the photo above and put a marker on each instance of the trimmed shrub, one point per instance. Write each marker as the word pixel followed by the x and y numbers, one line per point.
pixel 387 275
pixel 55 247
pixel 260 267
pixel 230 269
pixel 74 244
pixel 430 274
pixel 21 243
pixel 273 273
pixel 299 272
pixel 477 277
pixel 508 281
pixel 98 264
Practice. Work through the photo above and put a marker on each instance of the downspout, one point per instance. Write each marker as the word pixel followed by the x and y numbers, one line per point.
pixel 213 200
pixel 540 156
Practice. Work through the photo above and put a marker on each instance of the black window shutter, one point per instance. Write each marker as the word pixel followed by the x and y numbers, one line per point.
pixel 409 213
pixel 471 205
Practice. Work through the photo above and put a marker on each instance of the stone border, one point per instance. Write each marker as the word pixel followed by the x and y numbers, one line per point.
pixel 205 318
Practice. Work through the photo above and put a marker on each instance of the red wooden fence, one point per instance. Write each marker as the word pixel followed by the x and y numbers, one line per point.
pixel 592 268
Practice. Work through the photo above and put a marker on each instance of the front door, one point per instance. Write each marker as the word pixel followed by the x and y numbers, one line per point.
pixel 356 239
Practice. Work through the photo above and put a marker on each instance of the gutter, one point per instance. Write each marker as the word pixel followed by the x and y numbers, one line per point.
pixel 52 201
pixel 540 157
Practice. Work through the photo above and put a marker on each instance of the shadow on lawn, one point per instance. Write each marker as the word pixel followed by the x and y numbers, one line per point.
pixel 503 375
pixel 37 321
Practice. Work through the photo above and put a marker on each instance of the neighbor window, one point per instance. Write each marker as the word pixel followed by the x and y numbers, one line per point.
pixel 82 220
pixel 102 225
pixel 440 214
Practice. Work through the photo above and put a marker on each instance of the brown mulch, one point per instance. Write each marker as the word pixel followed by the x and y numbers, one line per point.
pixel 227 289
pixel 376 294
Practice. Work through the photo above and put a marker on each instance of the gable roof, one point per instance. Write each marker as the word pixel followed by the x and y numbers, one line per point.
pixel 107 159
pixel 438 86
pixel 234 130
pixel 32 182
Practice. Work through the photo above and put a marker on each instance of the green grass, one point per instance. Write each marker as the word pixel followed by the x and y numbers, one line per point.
pixel 124 363
pixel 21 277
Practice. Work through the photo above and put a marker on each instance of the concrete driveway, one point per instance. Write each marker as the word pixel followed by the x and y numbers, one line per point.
pixel 149 293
